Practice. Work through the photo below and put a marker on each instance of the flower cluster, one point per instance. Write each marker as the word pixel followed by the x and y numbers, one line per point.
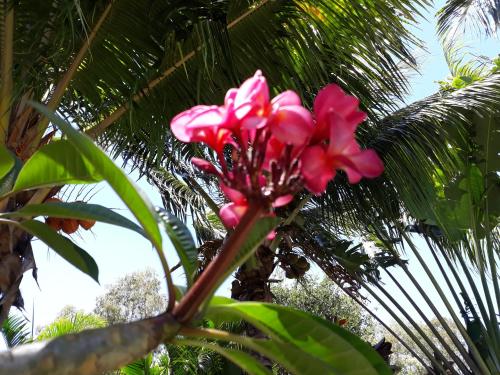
pixel 269 149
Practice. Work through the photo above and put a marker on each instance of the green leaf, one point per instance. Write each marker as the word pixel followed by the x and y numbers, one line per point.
pixel 63 246
pixel 245 361
pixel 76 210
pixel 7 161
pixel 303 343
pixel 57 163
pixel 183 243
pixel 473 183
pixel 138 204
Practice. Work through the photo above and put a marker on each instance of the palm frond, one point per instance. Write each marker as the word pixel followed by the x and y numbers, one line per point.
pixel 16 331
pixel 298 45
pixel 481 16
pixel 420 145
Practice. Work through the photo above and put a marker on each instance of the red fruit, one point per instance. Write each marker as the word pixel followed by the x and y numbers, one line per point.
pixel 69 226
pixel 86 224
pixel 54 222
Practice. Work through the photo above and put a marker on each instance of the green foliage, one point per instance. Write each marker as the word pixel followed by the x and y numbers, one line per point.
pixel 16 331
pixel 7 161
pixel 405 361
pixel 57 163
pixel 459 15
pixel 300 342
pixel 134 296
pixel 71 321
pixel 326 300
pixel 138 204
pixel 63 246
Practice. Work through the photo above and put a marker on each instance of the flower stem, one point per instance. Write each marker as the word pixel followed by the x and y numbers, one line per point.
pixel 204 285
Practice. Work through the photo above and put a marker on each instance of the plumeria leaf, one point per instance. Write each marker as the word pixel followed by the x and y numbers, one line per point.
pixel 55 164
pixel 302 343
pixel 138 203
pixel 245 361
pixel 7 161
pixel 183 243
pixel 63 246
pixel 76 210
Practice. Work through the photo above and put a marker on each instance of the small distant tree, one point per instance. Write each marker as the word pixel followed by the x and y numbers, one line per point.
pixel 70 320
pixel 134 296
pixel 324 299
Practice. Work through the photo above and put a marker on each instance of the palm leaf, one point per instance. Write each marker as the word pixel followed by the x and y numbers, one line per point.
pixel 16 331
pixel 478 15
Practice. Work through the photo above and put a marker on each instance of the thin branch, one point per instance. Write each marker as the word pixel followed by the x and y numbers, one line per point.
pixel 7 38
pixel 209 278
pixel 98 129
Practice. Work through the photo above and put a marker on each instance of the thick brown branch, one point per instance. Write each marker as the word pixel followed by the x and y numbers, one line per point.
pixel 90 352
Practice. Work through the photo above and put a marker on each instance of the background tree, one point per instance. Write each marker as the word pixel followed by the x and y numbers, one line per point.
pixel 69 321
pixel 326 300
pixel 404 361
pixel 134 296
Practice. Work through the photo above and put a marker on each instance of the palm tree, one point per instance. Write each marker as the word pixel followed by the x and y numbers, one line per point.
pixel 443 136
pixel 122 84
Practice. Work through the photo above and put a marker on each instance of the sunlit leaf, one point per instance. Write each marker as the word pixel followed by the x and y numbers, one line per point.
pixel 56 164
pixel 138 203
pixel 303 343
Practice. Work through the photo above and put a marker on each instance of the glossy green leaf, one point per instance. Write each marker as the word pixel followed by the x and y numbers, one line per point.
pixel 57 163
pixel 243 360
pixel 183 243
pixel 138 203
pixel 303 343
pixel 63 246
pixel 7 161
pixel 76 210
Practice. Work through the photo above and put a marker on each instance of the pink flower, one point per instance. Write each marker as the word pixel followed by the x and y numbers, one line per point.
pixel 290 122
pixel 278 146
pixel 319 162
pixel 332 99
pixel 202 124
pixel 249 102
pixel 231 213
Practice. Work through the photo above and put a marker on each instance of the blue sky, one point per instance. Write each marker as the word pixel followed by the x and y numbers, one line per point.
pixel 118 251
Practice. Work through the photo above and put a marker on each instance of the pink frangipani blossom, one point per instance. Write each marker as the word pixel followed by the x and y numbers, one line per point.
pixel 276 147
